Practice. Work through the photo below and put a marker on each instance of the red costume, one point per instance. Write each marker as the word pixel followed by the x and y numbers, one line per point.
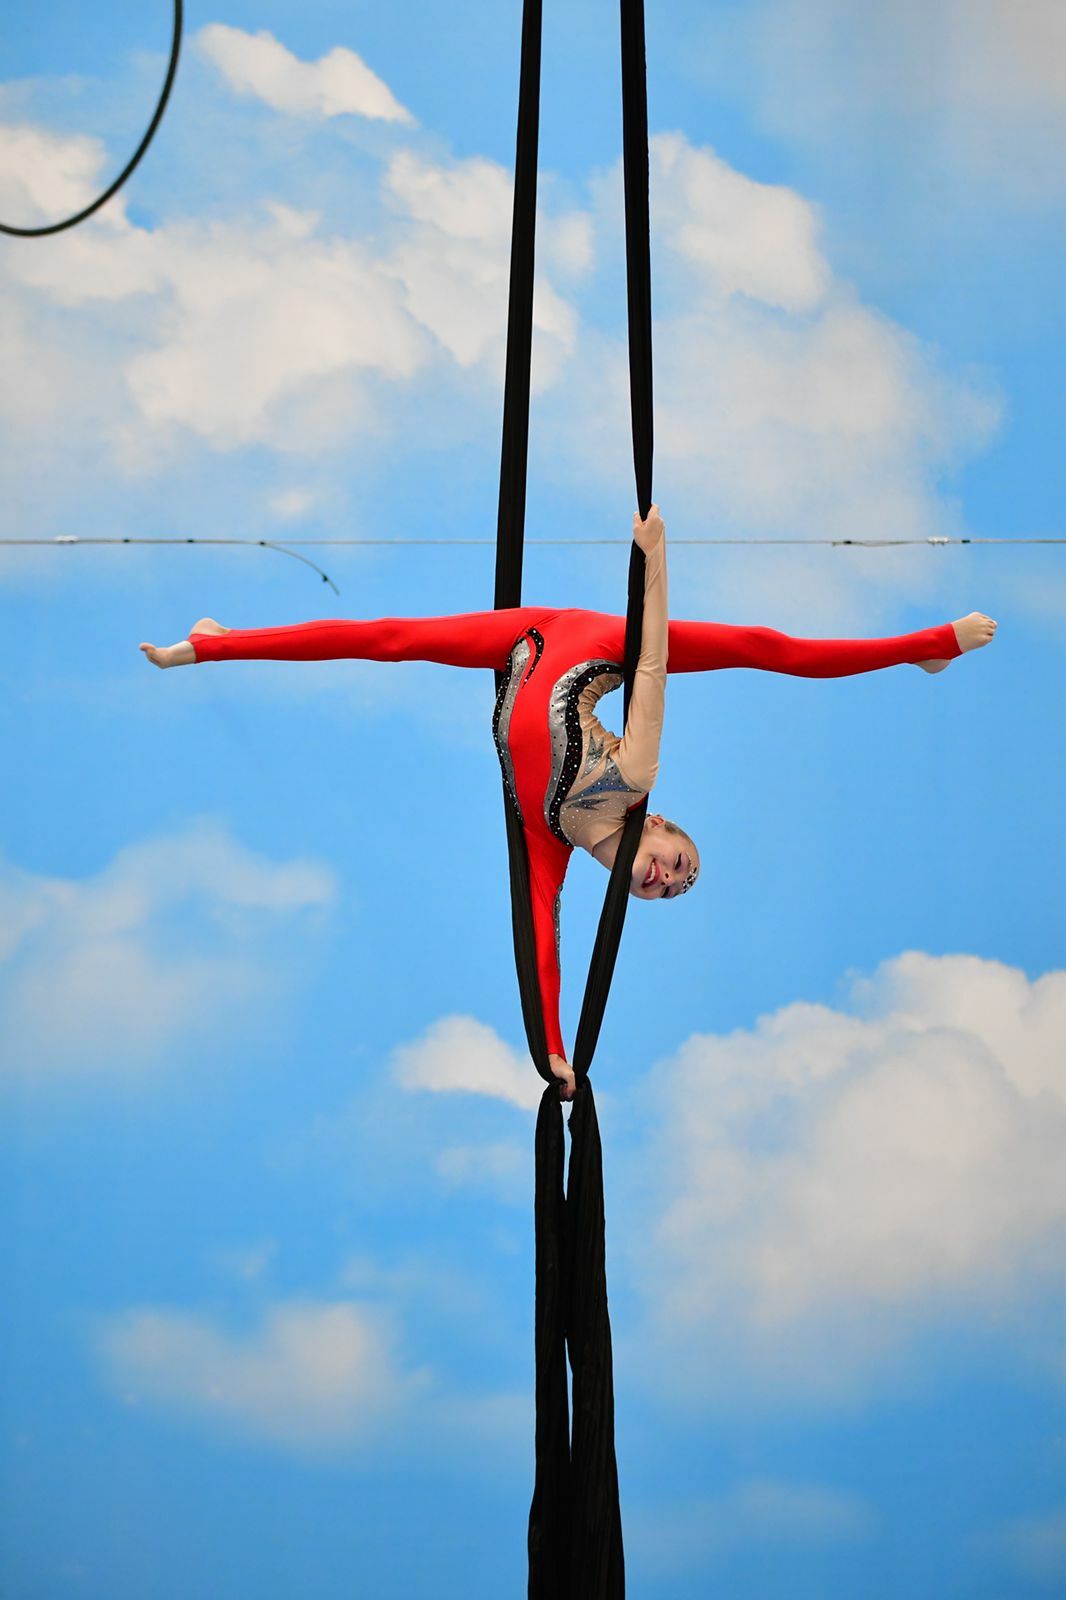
pixel 571 781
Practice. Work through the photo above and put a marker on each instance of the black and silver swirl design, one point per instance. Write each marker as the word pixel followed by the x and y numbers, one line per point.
pixel 515 675
pixel 564 725
pixel 510 683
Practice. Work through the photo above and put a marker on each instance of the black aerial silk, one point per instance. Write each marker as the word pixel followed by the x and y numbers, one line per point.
pixel 575 1525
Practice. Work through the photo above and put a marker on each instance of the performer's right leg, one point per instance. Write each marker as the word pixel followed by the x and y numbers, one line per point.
pixel 474 639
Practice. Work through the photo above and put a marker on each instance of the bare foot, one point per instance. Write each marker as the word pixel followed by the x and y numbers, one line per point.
pixel 181 654
pixel 972 632
pixel 170 655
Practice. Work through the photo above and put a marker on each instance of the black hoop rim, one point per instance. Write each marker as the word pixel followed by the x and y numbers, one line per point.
pixel 157 117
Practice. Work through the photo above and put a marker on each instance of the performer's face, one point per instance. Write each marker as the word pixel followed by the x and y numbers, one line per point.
pixel 666 862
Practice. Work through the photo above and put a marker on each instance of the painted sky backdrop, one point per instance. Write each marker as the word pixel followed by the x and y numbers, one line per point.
pixel 267 1123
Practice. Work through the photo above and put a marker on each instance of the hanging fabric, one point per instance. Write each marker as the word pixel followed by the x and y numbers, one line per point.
pixel 575 1528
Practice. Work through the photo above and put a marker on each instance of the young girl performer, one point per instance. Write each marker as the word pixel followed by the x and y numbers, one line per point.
pixel 570 780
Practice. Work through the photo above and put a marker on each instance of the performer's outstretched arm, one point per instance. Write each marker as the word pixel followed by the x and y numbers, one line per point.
pixel 710 646
pixel 637 756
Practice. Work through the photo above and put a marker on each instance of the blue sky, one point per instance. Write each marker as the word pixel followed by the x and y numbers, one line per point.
pixel 267 1125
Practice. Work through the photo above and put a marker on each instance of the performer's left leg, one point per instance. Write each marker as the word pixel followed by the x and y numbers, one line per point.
pixel 473 639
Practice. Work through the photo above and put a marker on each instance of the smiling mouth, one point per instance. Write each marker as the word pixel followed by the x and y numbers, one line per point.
pixel 651 877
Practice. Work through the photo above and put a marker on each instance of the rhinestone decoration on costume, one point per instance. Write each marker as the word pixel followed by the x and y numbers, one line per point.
pixel 510 681
pixel 565 732
pixel 514 675
pixel 595 752
pixel 538 645
pixel 610 781
pixel 564 726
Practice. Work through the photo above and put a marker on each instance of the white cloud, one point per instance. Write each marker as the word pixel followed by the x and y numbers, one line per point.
pixel 104 972
pixel 834 425
pixel 832 1180
pixel 44 397
pixel 337 84
pixel 321 1376
pixel 784 405
pixel 459 1055
pixel 567 242
pixel 312 1374
pixel 262 317
pixel 454 263
pixel 289 505
pixel 47 176
pixel 682 1535
pixel 243 326
pixel 468 200
pixel 44 176
pixel 743 237
pixel 267 330
pixel 974 87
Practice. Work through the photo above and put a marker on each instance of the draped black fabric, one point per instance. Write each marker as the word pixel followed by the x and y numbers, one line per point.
pixel 575 1525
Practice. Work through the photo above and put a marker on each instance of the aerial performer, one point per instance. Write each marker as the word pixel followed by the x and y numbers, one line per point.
pixel 571 781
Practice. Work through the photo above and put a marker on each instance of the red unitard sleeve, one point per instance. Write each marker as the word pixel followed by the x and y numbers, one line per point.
pixel 709 646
